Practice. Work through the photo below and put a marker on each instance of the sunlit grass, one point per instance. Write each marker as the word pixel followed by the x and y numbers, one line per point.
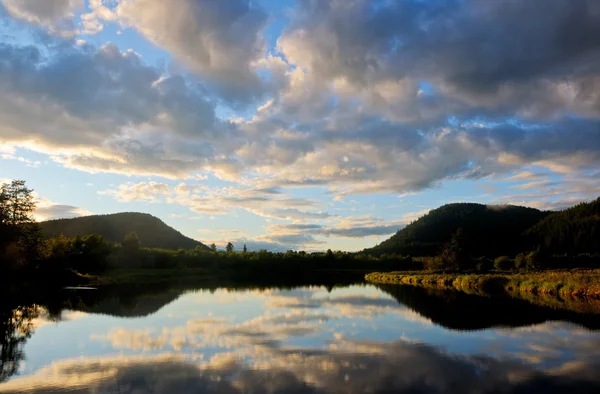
pixel 574 283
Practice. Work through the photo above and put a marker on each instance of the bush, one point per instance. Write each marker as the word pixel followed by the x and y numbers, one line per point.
pixel 533 260
pixel 435 263
pixel 503 263
pixel 520 261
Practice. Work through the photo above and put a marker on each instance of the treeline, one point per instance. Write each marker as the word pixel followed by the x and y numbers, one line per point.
pixel 476 237
pixel 454 237
pixel 25 253
pixel 574 230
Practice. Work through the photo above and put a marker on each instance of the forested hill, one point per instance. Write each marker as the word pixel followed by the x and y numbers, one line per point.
pixel 491 230
pixel 574 230
pixel 152 232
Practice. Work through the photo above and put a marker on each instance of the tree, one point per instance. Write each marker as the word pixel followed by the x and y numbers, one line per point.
pixel 213 247
pixel 18 203
pixel 131 242
pixel 455 255
pixel 245 249
pixel 229 248
pixel 18 230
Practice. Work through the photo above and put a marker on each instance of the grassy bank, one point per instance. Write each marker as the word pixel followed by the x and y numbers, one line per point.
pixel 571 284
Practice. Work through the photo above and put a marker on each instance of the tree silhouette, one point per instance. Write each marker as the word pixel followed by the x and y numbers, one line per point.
pixel 15 328
pixel 229 248
pixel 20 236
pixel 17 203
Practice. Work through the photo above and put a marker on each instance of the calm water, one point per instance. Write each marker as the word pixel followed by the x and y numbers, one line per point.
pixel 354 339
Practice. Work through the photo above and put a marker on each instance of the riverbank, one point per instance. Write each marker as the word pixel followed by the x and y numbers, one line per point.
pixel 571 284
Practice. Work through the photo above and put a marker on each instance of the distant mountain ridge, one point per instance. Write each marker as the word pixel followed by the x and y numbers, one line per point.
pixel 152 232
pixel 492 229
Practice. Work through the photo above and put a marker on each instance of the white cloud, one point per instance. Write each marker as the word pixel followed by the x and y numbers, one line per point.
pixel 47 210
pixel 219 42
pixel 55 15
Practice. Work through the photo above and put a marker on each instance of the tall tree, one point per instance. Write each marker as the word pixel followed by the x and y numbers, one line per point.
pixel 20 235
pixel 17 203
pixel 229 247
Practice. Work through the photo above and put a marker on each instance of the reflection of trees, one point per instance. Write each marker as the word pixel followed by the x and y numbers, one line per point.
pixel 459 311
pixel 16 326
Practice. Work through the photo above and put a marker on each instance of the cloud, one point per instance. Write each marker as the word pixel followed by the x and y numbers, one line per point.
pixel 55 15
pixel 413 216
pixel 525 176
pixel 354 98
pixel 466 52
pixel 143 191
pixel 137 120
pixel 221 43
pixel 48 210
pixel 352 227
pixel 270 202
pixel 357 366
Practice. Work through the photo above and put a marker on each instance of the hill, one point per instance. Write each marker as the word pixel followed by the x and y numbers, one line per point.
pixel 491 230
pixel 152 232
pixel 572 231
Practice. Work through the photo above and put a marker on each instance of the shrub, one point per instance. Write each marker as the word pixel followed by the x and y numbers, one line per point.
pixel 520 261
pixel 533 260
pixel 435 263
pixel 503 263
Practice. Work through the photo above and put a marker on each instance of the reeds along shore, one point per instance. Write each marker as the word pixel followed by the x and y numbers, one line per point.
pixel 574 284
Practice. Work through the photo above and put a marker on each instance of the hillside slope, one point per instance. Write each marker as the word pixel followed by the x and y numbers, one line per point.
pixel 152 232
pixel 491 229
pixel 574 230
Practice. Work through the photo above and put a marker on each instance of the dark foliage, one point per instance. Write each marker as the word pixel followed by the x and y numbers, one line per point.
pixel 151 231
pixel 572 231
pixel 490 230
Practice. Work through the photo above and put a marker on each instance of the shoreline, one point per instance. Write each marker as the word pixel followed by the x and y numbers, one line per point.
pixel 559 289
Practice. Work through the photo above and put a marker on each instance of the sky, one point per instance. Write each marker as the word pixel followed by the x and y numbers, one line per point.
pixel 299 124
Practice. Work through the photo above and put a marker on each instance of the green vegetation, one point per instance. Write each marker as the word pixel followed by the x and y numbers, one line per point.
pixel 19 234
pixel 65 259
pixel 575 283
pixel 574 230
pixel 151 231
pixel 487 230
pixel 454 237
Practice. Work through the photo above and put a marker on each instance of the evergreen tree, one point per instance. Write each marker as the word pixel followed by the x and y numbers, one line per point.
pixel 18 230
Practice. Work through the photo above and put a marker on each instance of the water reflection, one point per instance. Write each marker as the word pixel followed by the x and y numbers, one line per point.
pixel 15 328
pixel 345 367
pixel 311 339
pixel 460 311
